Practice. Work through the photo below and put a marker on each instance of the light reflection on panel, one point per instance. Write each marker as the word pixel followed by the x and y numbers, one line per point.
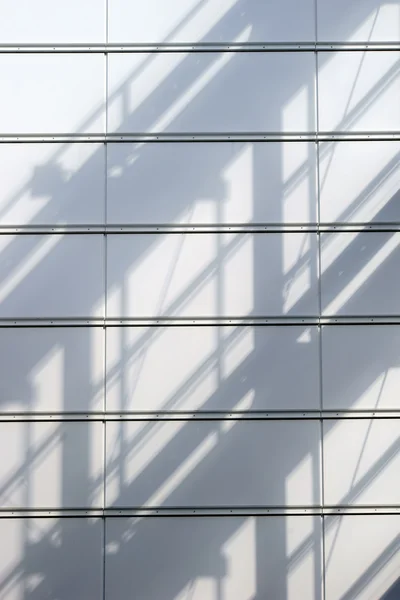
pixel 210 558
pixel 361 367
pixel 211 183
pixel 359 91
pixel 39 558
pixel 210 368
pixel 211 92
pixel 369 176
pixel 354 21
pixel 211 275
pixel 51 369
pixel 362 462
pixel 52 93
pixel 51 464
pixel 360 273
pixel 362 557
pixel 212 463
pixel 50 184
pixel 51 276
pixel 43 21
pixel 194 21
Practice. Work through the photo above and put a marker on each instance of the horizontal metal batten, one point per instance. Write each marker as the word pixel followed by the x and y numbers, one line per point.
pixel 224 511
pixel 267 321
pixel 198 228
pixel 250 415
pixel 200 137
pixel 110 48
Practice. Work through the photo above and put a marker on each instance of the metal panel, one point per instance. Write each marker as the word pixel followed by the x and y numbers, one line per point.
pixel 50 184
pixel 369 175
pixel 51 465
pixel 354 21
pixel 211 92
pixel 24 21
pixel 210 368
pixel 205 558
pixel 52 275
pixel 51 369
pixel 192 21
pixel 211 183
pixel 205 463
pixel 362 462
pixel 362 557
pixel 203 275
pixel 52 93
pixel 360 367
pixel 39 558
pixel 360 273
pixel 359 91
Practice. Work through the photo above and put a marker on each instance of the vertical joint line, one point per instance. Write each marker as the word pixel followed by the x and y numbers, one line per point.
pixel 105 301
pixel 321 403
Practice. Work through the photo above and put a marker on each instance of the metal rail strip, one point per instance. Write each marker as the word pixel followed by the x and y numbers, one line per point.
pixel 260 321
pixel 223 511
pixel 138 229
pixel 111 48
pixel 196 137
pixel 200 415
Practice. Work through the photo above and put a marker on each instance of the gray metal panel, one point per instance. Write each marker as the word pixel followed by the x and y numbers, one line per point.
pixel 179 558
pixel 362 557
pixel 43 21
pixel 205 463
pixel 52 275
pixel 359 91
pixel 51 465
pixel 360 367
pixel 351 20
pixel 179 275
pixel 211 183
pixel 51 369
pixel 50 184
pixel 362 462
pixel 223 21
pixel 369 176
pixel 52 93
pixel 210 368
pixel 360 273
pixel 211 92
pixel 51 558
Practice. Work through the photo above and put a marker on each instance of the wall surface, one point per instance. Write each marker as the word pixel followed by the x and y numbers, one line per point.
pixel 200 300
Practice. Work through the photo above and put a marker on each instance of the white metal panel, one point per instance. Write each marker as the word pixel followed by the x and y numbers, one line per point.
pixel 211 183
pixel 50 184
pixel 212 275
pixel 362 462
pixel 51 369
pixel 52 93
pixel 51 276
pixel 51 558
pixel 362 557
pixel 359 91
pixel 360 273
pixel 211 92
pixel 192 21
pixel 369 175
pixel 361 367
pixel 210 368
pixel 51 464
pixel 211 463
pixel 351 20
pixel 44 21
pixel 192 558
